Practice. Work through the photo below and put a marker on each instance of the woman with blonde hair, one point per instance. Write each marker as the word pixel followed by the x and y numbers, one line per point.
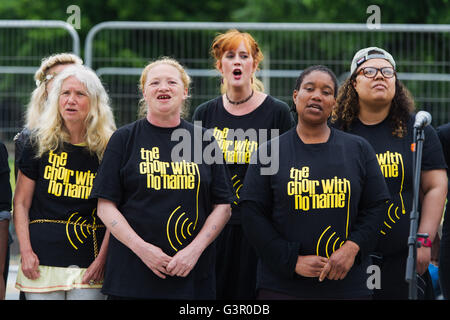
pixel 62 244
pixel 163 211
pixel 243 105
pixel 43 77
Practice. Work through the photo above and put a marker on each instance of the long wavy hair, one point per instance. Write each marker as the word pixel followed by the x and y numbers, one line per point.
pixel 143 108
pixel 230 40
pixel 347 107
pixel 36 104
pixel 51 132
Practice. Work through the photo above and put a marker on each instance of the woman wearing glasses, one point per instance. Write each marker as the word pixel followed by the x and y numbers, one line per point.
pixel 374 104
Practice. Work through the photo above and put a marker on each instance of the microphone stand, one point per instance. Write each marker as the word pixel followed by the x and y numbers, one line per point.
pixel 411 275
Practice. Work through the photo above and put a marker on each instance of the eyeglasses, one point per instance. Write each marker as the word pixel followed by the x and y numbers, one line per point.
pixel 371 72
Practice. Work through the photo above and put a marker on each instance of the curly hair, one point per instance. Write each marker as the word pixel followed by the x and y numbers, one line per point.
pixel 347 107
pixel 51 132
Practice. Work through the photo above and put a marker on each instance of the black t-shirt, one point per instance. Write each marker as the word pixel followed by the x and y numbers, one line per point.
pixel 322 195
pixel 395 159
pixel 64 227
pixel 20 140
pixel 444 136
pixel 165 201
pixel 5 191
pixel 239 136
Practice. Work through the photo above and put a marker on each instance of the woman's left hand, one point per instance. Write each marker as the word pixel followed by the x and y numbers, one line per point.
pixel 183 262
pixel 95 272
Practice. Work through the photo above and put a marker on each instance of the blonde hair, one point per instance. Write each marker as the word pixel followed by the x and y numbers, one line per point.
pixel 230 40
pixel 39 95
pixel 142 112
pixel 51 132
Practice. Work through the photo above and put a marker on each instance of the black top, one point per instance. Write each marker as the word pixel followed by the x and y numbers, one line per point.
pixel 64 227
pixel 165 201
pixel 322 195
pixel 395 159
pixel 5 193
pixel 444 136
pixel 20 140
pixel 239 136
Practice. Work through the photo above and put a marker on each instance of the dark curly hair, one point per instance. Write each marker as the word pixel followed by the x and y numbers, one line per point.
pixel 347 107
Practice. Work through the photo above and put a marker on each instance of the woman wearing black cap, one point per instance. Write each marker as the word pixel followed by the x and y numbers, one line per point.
pixel 374 104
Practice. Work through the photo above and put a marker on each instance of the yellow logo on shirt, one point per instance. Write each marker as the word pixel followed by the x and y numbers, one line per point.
pixel 157 171
pixel 305 191
pixel 236 146
pixel 391 164
pixel 66 182
pixel 172 176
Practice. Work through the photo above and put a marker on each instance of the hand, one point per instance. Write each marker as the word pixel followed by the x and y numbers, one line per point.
pixel 310 266
pixel 30 265
pixel 340 262
pixel 155 259
pixel 183 262
pixel 423 259
pixel 95 272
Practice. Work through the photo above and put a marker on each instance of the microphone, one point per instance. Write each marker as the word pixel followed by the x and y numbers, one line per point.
pixel 423 119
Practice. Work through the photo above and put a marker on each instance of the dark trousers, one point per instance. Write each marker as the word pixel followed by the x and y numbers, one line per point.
pixel 393 283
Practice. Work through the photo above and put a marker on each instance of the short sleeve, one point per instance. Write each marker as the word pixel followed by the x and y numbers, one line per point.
pixel 257 185
pixel 107 182
pixel 221 188
pixel 28 163
pixel 285 121
pixel 432 154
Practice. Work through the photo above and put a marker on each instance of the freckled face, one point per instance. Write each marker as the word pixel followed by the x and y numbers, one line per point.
pixel 314 99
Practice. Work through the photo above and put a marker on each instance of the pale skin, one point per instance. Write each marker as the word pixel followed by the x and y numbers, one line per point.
pixel 375 103
pixel 239 86
pixel 161 264
pixel 314 100
pixel 73 108
pixel 164 93
pixel 23 197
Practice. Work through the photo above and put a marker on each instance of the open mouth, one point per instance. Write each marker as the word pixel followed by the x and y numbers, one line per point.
pixel 163 97
pixel 237 72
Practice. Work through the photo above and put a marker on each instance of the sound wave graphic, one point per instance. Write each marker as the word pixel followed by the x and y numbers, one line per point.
pixel 392 217
pixel 387 223
pixel 329 243
pixel 237 185
pixel 82 226
pixel 179 225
